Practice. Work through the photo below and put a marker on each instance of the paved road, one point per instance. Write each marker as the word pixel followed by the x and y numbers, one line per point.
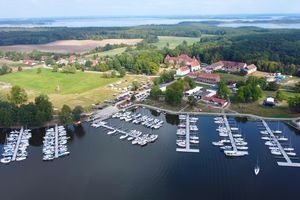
pixel 218 114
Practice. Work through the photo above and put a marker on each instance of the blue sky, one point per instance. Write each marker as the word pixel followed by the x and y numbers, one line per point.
pixel 54 8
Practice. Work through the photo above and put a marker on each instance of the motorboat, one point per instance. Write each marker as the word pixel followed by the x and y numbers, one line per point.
pixel 291 153
pixel 232 153
pixel 21 158
pixel 5 160
pixel 218 143
pixel 256 169
pixel 270 143
pixel 194 141
pixel 242 148
pixel 194 137
pixel 111 132
pixel 130 138
pixel 123 137
pixel 265 138
pixel 277 131
pixel 282 139
pixel 275 152
pixel 289 149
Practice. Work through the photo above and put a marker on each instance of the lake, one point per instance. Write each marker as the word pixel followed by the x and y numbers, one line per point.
pixel 104 167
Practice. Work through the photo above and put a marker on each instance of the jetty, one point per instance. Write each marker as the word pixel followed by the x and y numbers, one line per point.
pixel 229 133
pixel 56 142
pixel 187 148
pixel 288 162
pixel 17 145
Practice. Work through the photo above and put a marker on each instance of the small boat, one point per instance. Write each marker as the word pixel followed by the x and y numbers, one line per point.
pixel 291 153
pixel 232 153
pixel 242 148
pixel 218 143
pixel 123 137
pixel 134 141
pixel 277 131
pixel 256 169
pixel 194 141
pixel 130 138
pixel 5 160
pixel 21 158
pixel 275 152
pixel 111 132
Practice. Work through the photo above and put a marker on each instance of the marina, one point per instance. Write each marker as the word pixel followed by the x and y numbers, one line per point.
pixel 15 148
pixel 187 135
pixel 232 143
pixel 115 161
pixel 54 144
pixel 276 147
pixel 134 136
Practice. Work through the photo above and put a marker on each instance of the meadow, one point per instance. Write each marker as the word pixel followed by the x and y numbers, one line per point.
pixel 72 89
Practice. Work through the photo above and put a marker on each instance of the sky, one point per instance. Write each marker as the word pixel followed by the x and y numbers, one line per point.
pixel 67 8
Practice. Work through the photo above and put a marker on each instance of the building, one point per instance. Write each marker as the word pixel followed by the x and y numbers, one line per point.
pixel 184 59
pixel 251 69
pixel 72 59
pixel 205 77
pixel 182 71
pixel 229 66
pixel 270 101
pixel 29 62
pixel 215 101
pixel 94 63
pixel 193 91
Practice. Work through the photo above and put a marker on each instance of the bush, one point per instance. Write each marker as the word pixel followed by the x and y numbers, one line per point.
pixel 69 69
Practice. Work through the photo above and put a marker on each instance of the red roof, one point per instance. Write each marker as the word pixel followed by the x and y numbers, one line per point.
pixel 181 58
pixel 228 64
pixel 250 67
pixel 95 62
pixel 72 58
pixel 214 100
pixel 205 75
pixel 195 63
pixel 184 68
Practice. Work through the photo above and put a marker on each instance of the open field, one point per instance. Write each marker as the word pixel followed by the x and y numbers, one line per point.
pixel 174 41
pixel 112 52
pixel 74 89
pixel 69 46
pixel 231 77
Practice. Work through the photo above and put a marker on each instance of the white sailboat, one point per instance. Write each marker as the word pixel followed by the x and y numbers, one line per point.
pixel 256 169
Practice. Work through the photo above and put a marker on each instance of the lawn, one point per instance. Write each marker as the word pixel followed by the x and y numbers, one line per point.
pixel 232 77
pixel 174 41
pixel 74 89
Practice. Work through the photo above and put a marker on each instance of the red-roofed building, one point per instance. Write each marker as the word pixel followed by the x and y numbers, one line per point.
pixel 251 69
pixel 182 71
pixel 192 63
pixel 205 77
pixel 72 59
pixel 228 66
pixel 29 62
pixel 216 101
pixel 94 63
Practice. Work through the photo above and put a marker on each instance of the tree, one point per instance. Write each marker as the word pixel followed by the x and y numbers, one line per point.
pixel 155 92
pixel 294 103
pixel 8 115
pixel 5 69
pixel 273 86
pixel 76 113
pixel 135 85
pixel 65 115
pixel 20 69
pixel 27 114
pixel 192 101
pixel 44 109
pixel 297 87
pixel 39 70
pixel 122 72
pixel 69 69
pixel 223 90
pixel 55 68
pixel 17 95
pixel 88 64
pixel 190 81
pixel 280 96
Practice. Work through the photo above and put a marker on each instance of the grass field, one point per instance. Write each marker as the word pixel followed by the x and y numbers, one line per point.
pixel 75 89
pixel 231 77
pixel 112 52
pixel 174 41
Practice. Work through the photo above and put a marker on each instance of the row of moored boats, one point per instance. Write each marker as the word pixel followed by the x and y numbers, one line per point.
pixel 15 147
pixel 55 143
pixel 137 118
pixel 182 131
pixel 232 142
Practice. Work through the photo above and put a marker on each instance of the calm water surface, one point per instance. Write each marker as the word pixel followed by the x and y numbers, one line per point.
pixel 104 167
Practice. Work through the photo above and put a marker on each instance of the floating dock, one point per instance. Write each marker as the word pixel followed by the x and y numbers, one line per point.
pixel 288 162
pixel 229 133
pixel 17 145
pixel 187 139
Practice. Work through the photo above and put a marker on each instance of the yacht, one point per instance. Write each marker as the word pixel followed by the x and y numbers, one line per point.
pixel 6 160
pixel 291 153
pixel 242 148
pixel 194 141
pixel 130 138
pixel 218 143
pixel 111 132
pixel 232 153
pixel 282 139
pixel 289 149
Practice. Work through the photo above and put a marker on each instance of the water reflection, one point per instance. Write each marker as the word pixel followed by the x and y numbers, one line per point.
pixel 172 119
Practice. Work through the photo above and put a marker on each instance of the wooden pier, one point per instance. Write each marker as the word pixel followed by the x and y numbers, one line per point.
pixel 288 162
pixel 17 145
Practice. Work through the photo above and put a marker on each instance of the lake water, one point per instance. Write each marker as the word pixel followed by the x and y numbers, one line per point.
pixel 125 21
pixel 104 167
